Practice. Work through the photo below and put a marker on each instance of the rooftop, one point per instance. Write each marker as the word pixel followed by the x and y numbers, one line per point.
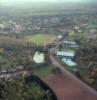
pixel 69 62
pixel 70 42
pixel 61 53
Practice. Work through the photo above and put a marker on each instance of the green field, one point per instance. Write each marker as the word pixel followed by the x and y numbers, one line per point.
pixel 43 72
pixel 40 39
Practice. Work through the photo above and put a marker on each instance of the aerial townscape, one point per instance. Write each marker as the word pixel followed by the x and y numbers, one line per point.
pixel 48 50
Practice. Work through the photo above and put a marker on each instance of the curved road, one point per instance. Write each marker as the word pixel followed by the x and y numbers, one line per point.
pixel 66 85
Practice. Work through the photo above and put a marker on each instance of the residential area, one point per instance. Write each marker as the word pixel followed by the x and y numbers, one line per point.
pixel 48 51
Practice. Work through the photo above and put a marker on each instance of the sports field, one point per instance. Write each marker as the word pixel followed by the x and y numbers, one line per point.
pixel 41 39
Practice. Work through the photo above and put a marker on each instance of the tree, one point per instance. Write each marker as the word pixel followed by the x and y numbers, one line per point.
pixel 86 57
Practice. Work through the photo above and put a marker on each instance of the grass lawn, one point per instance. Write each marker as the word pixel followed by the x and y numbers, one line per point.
pixel 40 39
pixel 43 72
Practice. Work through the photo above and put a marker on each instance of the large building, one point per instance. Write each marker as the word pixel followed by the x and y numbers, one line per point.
pixel 67 58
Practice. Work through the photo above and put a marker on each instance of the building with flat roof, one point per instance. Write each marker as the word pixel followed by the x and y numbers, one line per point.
pixel 68 55
pixel 67 58
pixel 70 44
pixel 69 62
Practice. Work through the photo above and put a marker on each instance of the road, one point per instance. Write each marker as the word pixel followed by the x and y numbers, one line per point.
pixel 66 85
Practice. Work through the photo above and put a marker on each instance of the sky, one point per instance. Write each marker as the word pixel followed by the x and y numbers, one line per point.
pixel 7 2
pixel 13 1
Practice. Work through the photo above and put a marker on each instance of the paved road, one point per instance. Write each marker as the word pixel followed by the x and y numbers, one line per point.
pixel 67 86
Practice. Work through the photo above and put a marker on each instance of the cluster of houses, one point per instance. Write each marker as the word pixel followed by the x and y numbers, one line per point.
pixel 10 26
pixel 14 73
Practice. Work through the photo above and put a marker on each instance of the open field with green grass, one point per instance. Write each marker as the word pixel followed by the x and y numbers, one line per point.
pixel 43 72
pixel 40 39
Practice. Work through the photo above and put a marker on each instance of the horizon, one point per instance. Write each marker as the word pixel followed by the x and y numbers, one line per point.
pixel 16 2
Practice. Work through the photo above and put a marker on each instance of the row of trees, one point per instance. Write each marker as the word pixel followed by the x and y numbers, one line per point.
pixel 19 90
pixel 86 57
